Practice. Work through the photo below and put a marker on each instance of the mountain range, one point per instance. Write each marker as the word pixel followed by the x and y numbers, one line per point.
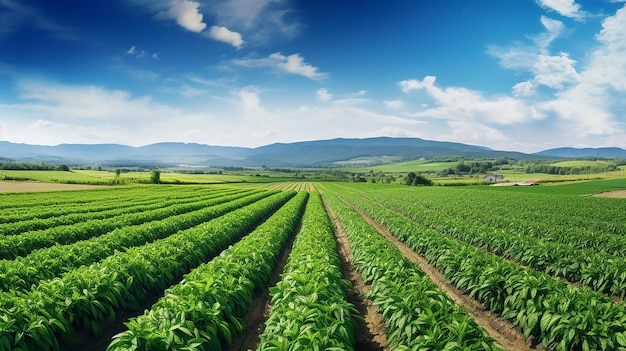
pixel 317 153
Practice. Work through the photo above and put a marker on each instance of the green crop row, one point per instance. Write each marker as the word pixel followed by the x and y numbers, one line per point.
pixel 19 245
pixel 417 314
pixel 13 203
pixel 17 202
pixel 44 213
pixel 204 311
pixel 309 310
pixel 570 220
pixel 23 272
pixel 596 270
pixel 121 207
pixel 557 314
pixel 42 318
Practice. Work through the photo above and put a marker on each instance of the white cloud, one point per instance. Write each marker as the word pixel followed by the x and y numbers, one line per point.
pixel 323 95
pixel 133 51
pixel 186 14
pixel 588 107
pixel 456 103
pixel 85 102
pixel 523 56
pixel 293 64
pixel 523 89
pixel 223 34
pixel 261 20
pixel 554 29
pixel 394 104
pixel 472 132
pixel 567 8
pixel 554 71
pixel 250 100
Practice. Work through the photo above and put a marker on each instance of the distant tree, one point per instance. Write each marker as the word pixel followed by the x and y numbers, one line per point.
pixel 463 168
pixel 64 168
pixel 410 178
pixel 421 180
pixel 118 172
pixel 155 176
pixel 417 179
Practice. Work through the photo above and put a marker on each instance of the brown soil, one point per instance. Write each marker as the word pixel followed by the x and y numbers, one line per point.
pixel 500 329
pixel 35 186
pixel 612 194
pixel 372 335
pixel 260 309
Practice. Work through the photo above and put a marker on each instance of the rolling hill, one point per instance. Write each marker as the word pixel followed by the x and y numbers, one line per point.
pixel 317 153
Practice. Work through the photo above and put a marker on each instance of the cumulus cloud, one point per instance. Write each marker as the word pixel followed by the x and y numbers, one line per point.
pixel 293 64
pixel 584 104
pixel 524 89
pixel 223 34
pixel 187 15
pixel 589 105
pixel 457 103
pixel 567 8
pixel 260 19
pixel 554 71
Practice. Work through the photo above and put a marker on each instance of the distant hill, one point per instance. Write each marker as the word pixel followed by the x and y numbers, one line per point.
pixel 317 153
pixel 570 152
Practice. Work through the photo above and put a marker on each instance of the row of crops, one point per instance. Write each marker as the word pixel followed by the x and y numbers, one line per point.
pixel 181 265
pixel 536 260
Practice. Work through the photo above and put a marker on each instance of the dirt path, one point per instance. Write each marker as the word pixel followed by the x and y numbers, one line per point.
pixel 500 329
pixel 372 336
pixel 612 194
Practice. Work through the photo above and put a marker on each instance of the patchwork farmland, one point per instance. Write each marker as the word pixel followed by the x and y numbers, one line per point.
pixel 303 266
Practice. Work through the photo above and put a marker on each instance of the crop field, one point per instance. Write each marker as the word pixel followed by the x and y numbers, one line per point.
pixel 80 176
pixel 314 266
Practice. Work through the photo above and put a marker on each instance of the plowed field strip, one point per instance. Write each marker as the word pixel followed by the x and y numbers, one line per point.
pixel 258 312
pixel 501 330
pixel 372 336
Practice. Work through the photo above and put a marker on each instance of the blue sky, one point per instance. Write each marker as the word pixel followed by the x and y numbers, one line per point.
pixel 523 75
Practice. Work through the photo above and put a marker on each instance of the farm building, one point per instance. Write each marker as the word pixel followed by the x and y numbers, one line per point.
pixel 524 183
pixel 493 178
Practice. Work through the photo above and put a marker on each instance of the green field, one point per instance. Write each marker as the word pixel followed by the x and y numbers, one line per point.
pixel 109 177
pixel 581 163
pixel 405 166
pixel 73 262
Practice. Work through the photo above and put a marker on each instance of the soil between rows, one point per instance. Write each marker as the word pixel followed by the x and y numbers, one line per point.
pixel 504 332
pixel 372 335
pixel 259 311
